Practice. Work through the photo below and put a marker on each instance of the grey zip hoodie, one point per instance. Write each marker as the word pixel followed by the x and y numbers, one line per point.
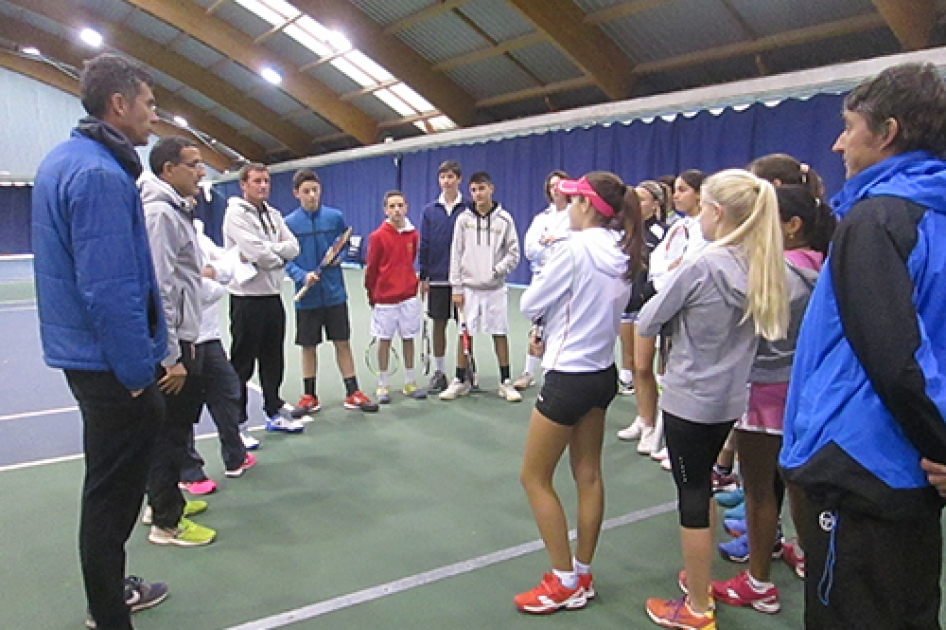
pixel 712 351
pixel 485 249
pixel 176 258
pixel 263 240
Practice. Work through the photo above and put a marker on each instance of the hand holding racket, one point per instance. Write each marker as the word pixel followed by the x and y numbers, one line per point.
pixel 330 256
pixel 424 338
pixel 466 342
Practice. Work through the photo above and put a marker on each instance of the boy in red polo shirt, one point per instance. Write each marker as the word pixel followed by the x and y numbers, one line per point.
pixel 392 292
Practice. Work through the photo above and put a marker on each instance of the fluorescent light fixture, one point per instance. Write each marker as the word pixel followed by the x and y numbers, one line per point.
pixel 180 121
pixel 92 37
pixel 339 41
pixel 271 75
pixel 32 51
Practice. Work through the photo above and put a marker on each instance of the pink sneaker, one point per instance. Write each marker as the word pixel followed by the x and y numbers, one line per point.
pixel 738 592
pixel 793 557
pixel 206 486
pixel 249 462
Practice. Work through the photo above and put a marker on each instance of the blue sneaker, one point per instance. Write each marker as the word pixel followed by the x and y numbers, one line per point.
pixel 735 526
pixel 278 422
pixel 736 513
pixel 730 499
pixel 737 549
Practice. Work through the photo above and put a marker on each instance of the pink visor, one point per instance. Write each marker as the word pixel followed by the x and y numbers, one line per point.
pixel 583 188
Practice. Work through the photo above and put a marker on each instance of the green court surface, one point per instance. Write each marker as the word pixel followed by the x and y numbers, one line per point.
pixel 409 518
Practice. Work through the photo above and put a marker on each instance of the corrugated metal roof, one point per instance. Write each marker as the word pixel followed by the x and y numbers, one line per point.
pixel 152 27
pixel 197 99
pixel 166 82
pixel 489 77
pixel 260 137
pixel 202 55
pixel 499 20
pixel 242 19
pixel 277 100
pixel 336 81
pixel 240 76
pixel 112 10
pixel 547 62
pixel 311 124
pixel 231 119
pixel 767 18
pixel 442 37
pixel 386 12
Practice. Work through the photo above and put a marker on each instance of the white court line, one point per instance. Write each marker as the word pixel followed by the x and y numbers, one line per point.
pixel 34 414
pixel 428 577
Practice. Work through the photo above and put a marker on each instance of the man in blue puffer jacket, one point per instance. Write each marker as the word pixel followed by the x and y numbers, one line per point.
pixel 865 435
pixel 101 319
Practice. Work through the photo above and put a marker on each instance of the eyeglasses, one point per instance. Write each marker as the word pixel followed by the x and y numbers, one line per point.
pixel 194 164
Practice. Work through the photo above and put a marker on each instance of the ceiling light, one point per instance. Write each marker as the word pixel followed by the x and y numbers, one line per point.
pixel 91 37
pixel 271 75
pixel 180 121
pixel 339 41
pixel 31 50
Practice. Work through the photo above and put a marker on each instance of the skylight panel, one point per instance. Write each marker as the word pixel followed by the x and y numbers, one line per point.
pixel 353 72
pixel 395 103
pixel 302 36
pixel 368 66
pixel 412 98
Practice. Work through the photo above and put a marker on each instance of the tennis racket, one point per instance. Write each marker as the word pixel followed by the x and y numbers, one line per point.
pixel 424 338
pixel 466 342
pixel 330 256
pixel 371 359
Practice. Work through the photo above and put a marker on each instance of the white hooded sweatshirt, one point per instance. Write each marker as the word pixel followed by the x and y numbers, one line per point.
pixel 580 294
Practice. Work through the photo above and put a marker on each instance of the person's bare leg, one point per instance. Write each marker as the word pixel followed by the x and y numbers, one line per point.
pixel 585 456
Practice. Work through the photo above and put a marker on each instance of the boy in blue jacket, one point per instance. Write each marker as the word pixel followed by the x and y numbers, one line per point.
pixel 325 304
pixel 865 435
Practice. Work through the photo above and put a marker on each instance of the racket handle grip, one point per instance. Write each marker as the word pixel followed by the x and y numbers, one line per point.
pixel 301 292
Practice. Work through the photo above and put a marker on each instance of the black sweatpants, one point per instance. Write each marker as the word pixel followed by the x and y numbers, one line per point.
pixel 258 329
pixel 872 574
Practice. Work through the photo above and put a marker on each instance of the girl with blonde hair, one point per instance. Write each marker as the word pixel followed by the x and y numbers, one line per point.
pixel 717 306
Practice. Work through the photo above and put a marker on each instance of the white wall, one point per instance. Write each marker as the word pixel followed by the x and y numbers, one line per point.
pixel 34 118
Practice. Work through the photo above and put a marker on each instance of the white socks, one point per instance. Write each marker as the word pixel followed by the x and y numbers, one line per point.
pixel 569 579
pixel 626 376
pixel 531 364
pixel 383 379
pixel 439 364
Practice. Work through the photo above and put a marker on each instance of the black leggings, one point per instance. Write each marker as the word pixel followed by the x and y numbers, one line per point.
pixel 693 447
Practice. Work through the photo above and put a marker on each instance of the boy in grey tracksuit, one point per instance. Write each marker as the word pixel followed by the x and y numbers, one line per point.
pixel 484 251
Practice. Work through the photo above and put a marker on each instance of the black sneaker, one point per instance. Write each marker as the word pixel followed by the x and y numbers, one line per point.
pixel 139 595
pixel 438 382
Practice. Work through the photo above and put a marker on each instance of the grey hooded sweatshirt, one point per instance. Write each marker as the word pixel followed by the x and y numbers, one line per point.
pixel 263 240
pixel 176 258
pixel 703 305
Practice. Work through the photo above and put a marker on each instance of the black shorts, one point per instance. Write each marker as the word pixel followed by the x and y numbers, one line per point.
pixel 311 321
pixel 440 304
pixel 567 396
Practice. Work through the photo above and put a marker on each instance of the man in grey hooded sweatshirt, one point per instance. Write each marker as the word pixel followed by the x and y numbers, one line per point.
pixel 177 168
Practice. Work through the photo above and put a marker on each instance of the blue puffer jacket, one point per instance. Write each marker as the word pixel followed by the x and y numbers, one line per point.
pixel 316 232
pixel 98 300
pixel 867 396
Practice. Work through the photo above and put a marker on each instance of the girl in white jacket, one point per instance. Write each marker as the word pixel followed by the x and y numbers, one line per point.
pixel 578 298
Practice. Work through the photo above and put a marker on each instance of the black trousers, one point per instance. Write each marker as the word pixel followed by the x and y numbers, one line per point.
pixel 118 439
pixel 220 389
pixel 258 329
pixel 884 575
pixel 181 411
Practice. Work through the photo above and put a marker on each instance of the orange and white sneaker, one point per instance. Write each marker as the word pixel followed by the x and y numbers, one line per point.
pixel 676 613
pixel 587 582
pixel 550 595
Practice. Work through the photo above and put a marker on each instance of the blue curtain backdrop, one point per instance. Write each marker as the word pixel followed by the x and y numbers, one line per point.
pixel 641 150
pixel 15 219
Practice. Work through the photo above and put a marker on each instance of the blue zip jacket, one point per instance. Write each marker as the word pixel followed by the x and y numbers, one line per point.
pixel 98 300
pixel 436 239
pixel 867 396
pixel 316 231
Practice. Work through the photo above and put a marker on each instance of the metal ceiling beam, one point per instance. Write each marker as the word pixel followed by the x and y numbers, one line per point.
pixel 238 46
pixel 622 10
pixel 587 46
pixel 423 15
pixel 394 55
pixel 911 21
pixel 48 75
pixel 501 48
pixel 70 53
pixel 806 35
pixel 178 67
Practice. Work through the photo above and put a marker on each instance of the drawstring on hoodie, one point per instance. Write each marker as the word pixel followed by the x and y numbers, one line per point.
pixel 828 520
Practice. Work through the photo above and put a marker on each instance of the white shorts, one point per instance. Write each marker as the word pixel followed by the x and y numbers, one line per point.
pixel 402 318
pixel 486 311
